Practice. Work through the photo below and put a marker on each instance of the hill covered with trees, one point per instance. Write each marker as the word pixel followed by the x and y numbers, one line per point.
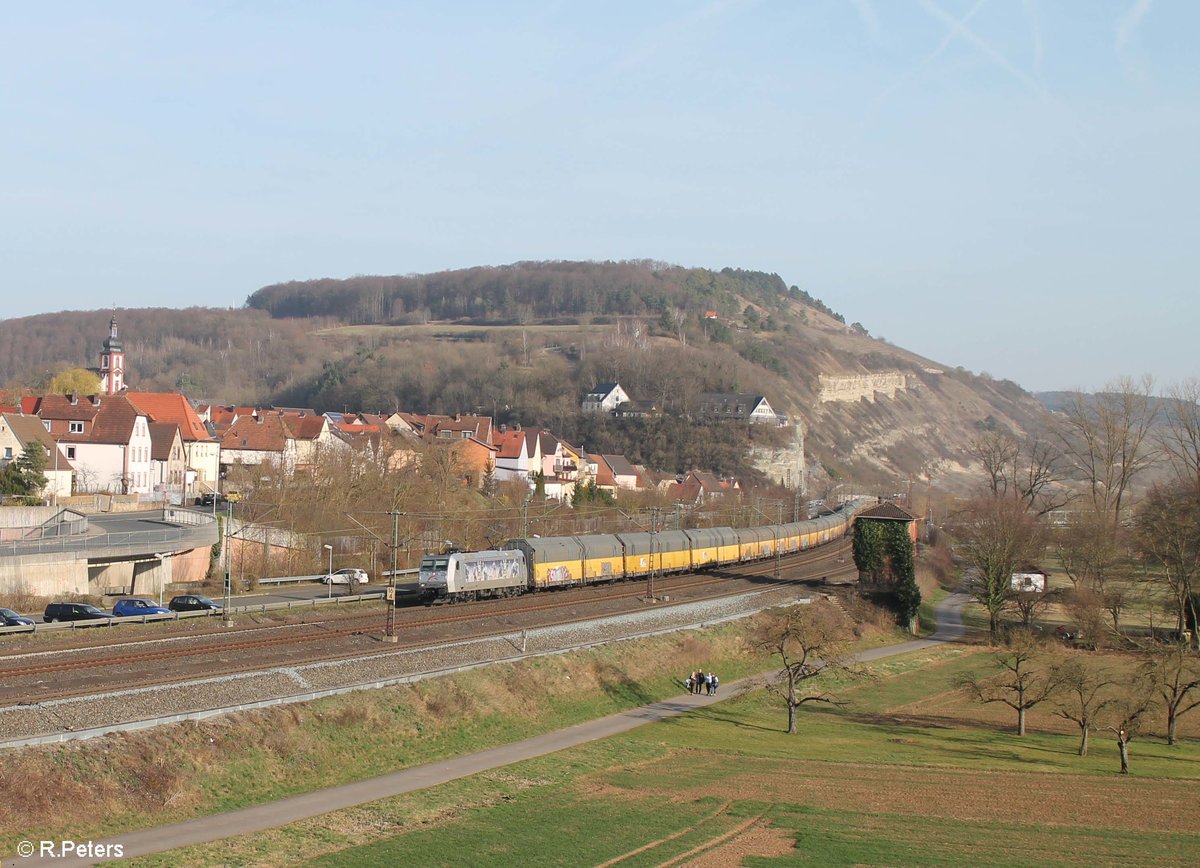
pixel 524 342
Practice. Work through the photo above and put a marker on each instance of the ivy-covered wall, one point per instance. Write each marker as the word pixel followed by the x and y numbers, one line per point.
pixel 883 551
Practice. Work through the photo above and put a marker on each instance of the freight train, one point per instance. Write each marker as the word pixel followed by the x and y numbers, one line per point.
pixel 540 563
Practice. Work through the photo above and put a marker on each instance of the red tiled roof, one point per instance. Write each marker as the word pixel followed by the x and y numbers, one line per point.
pixel 510 444
pixel 888 511
pixel 171 407
pixel 63 407
pixel 113 422
pixel 269 434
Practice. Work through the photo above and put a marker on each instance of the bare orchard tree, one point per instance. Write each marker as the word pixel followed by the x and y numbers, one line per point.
pixel 1029 603
pixel 1179 434
pixel 1168 535
pixel 995 536
pixel 1029 471
pixel 1025 680
pixel 1085 691
pixel 1174 674
pixel 1106 437
pixel 1126 717
pixel 809 640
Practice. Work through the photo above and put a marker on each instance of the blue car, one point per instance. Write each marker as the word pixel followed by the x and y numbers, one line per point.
pixel 138 606
pixel 9 618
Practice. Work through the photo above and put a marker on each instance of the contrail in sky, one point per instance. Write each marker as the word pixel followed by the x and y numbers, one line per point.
pixel 1128 23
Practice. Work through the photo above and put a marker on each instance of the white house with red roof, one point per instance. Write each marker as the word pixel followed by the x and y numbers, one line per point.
pixel 201 450
pixel 115 453
pixel 259 440
pixel 519 454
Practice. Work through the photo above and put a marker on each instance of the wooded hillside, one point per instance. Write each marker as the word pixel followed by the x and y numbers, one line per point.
pixel 524 342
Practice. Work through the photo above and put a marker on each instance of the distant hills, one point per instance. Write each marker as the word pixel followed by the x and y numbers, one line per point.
pixel 524 342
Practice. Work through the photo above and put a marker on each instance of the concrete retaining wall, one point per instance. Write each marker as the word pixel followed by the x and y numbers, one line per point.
pixel 48 574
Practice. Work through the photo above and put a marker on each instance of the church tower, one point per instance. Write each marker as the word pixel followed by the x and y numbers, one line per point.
pixel 112 361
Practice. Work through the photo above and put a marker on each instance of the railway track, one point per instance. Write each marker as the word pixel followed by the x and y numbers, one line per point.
pixel 815 564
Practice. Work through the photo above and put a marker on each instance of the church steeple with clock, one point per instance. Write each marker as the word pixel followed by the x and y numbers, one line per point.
pixel 112 361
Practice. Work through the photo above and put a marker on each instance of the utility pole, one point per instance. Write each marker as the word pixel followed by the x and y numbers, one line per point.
pixel 389 632
pixel 226 617
pixel 653 545
pixel 775 530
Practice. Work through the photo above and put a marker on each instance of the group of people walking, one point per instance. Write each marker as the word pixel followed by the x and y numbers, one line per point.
pixel 702 682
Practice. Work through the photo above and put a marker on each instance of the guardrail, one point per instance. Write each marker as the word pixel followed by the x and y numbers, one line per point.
pixel 283 580
pixel 205 613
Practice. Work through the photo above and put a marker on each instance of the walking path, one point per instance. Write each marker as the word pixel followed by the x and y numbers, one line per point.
pixel 948 615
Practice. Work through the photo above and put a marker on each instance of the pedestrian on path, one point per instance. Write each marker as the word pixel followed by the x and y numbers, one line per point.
pixel 713 684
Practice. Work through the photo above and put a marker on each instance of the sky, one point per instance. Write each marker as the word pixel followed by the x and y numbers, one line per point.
pixel 1010 187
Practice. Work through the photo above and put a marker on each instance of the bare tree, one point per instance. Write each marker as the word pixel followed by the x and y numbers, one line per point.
pixel 1106 437
pixel 1179 434
pixel 1029 603
pixel 1168 534
pixel 1127 716
pixel 1031 472
pixel 1174 674
pixel 809 640
pixel 1082 697
pixel 995 536
pixel 1024 680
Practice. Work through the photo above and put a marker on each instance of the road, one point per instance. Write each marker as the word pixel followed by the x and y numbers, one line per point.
pixel 948 616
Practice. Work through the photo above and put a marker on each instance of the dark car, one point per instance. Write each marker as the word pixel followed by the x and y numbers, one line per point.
pixel 193 603
pixel 74 612
pixel 211 499
pixel 132 606
pixel 9 618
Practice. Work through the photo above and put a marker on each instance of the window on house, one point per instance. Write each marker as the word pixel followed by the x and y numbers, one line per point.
pixel 71 452
pixel 46 424
pixel 75 427
pixel 8 453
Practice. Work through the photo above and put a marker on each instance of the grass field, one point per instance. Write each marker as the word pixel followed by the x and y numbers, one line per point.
pixel 909 773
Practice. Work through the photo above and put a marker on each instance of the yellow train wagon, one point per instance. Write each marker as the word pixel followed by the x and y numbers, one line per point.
pixel 552 561
pixel 712 546
pixel 603 557
pixel 756 543
pixel 790 536
pixel 667 552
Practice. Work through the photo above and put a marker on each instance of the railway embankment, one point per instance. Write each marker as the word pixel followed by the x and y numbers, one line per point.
pixel 201 697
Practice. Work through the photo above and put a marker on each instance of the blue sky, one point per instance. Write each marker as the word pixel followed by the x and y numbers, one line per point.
pixel 1008 186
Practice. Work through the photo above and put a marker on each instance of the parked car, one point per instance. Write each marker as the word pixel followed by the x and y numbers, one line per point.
pixel 9 618
pixel 74 612
pixel 193 603
pixel 346 576
pixel 210 498
pixel 1067 634
pixel 131 606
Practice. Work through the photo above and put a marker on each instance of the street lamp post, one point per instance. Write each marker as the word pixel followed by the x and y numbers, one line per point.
pixel 329 575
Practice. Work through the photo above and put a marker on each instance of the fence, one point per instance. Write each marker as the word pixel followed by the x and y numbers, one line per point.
pixel 177 616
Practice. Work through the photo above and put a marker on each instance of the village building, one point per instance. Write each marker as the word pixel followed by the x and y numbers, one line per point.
pixel 16 432
pixel 604 398
pixel 738 407
pixel 114 455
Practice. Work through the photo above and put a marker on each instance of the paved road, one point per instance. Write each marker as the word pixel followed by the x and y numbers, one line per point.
pixel 261 817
